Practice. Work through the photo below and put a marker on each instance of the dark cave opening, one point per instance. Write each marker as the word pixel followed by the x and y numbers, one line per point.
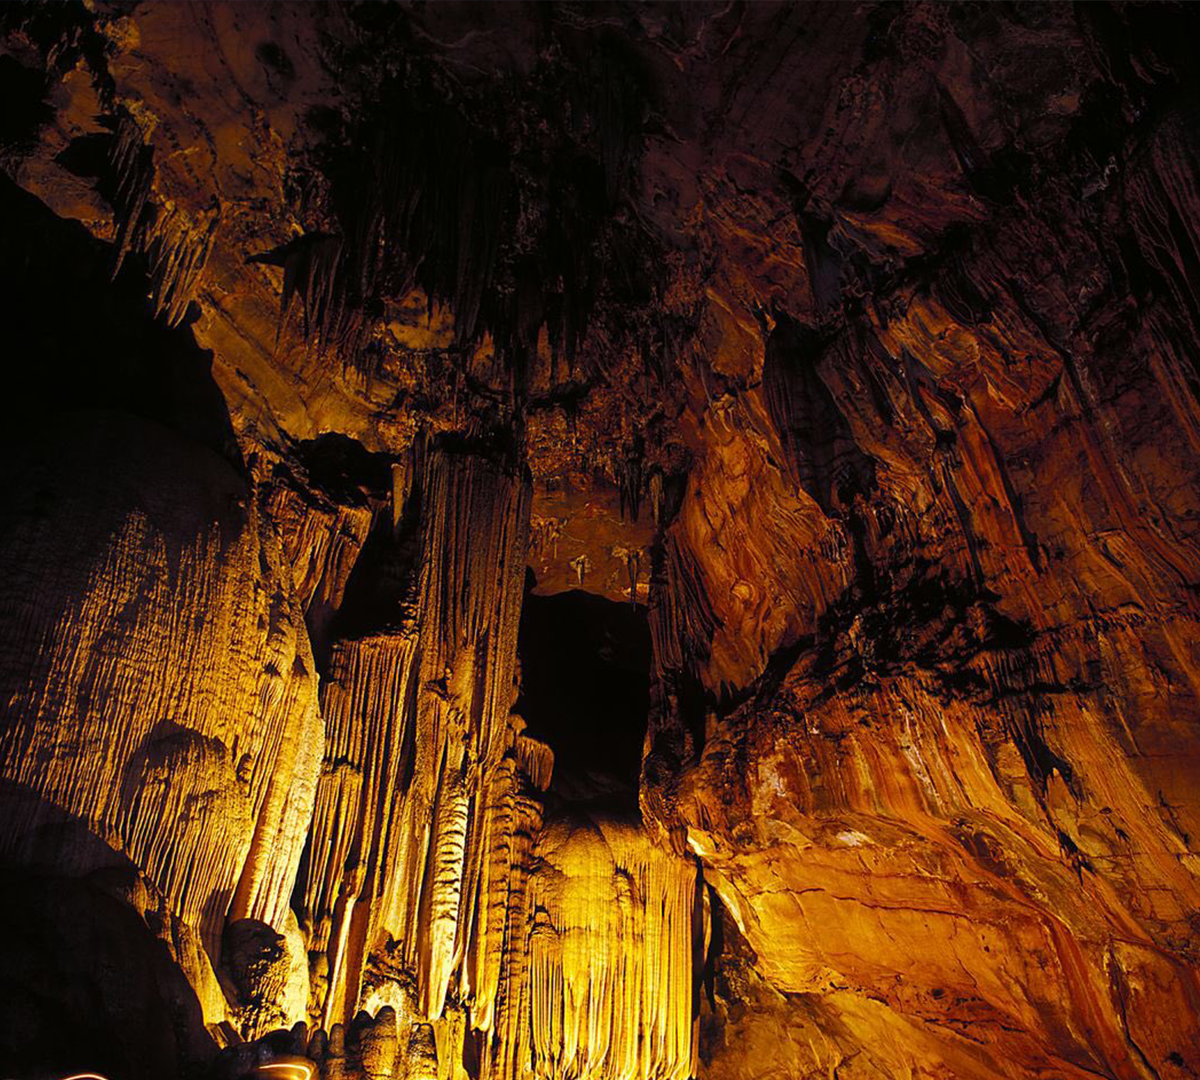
pixel 78 339
pixel 585 690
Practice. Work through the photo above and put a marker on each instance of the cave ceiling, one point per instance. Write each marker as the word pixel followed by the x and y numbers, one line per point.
pixel 618 541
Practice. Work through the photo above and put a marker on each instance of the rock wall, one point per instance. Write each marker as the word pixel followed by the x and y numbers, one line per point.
pixel 159 687
pixel 856 343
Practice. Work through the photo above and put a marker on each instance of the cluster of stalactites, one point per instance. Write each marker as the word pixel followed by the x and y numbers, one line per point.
pixel 420 798
pixel 611 929
pixel 175 244
pixel 571 948
pixel 353 842
pixel 165 700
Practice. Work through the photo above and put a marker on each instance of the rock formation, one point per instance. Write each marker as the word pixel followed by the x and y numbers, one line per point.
pixel 600 541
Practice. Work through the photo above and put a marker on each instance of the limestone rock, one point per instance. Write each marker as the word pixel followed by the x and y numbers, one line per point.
pixel 159 688
pixel 852 346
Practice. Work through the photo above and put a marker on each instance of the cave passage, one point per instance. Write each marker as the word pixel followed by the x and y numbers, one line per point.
pixel 585 690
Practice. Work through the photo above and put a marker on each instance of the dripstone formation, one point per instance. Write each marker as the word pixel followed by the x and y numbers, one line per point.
pixel 609 541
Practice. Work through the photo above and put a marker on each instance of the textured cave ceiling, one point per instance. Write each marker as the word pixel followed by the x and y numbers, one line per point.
pixel 600 541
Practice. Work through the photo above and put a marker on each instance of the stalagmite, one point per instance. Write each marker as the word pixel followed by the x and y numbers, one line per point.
pixel 420 1059
pixel 377 1046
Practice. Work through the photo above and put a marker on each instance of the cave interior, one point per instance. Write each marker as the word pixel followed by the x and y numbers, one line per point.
pixel 600 540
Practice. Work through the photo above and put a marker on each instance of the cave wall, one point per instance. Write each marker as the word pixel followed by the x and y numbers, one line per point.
pixel 163 692
pixel 852 346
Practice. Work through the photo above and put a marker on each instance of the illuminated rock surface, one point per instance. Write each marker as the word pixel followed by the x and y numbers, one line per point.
pixel 600 541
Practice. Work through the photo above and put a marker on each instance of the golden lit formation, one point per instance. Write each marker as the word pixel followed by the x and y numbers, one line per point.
pixel 600 541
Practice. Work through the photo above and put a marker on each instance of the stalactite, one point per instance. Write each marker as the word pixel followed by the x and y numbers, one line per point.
pixel 445 897
pixel 321 539
pixel 176 244
pixel 925 594
pixel 655 486
pixel 192 736
pixel 544 536
pixel 481 976
pixel 631 557
pixel 631 482
pixel 401 488
pixel 265 887
pixel 132 164
pixel 610 933
pixel 682 620
pixel 511 1051
pixel 365 696
pixel 535 759
pixel 313 270
pixel 433 193
pixel 502 871
pixel 474 536
pixel 422 758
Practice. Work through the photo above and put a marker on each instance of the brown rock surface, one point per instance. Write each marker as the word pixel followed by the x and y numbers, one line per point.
pixel 853 346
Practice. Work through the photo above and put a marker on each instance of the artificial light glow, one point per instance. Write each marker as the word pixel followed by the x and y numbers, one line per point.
pixel 288 1070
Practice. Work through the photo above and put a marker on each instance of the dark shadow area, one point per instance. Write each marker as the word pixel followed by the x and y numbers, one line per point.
pixel 24 111
pixel 86 984
pixel 381 593
pixel 75 338
pixel 343 470
pixel 585 690
pixel 822 455
pixel 333 469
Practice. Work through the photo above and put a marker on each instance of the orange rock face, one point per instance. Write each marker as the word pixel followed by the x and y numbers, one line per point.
pixel 844 354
